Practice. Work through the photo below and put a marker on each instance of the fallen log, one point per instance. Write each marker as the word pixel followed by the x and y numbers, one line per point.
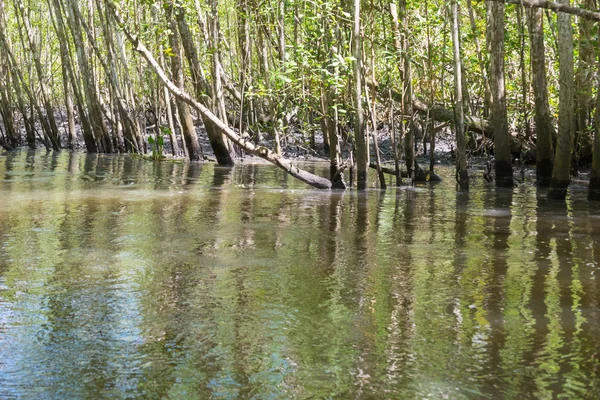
pixel 259 151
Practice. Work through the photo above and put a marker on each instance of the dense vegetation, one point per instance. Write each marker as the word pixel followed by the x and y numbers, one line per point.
pixel 515 80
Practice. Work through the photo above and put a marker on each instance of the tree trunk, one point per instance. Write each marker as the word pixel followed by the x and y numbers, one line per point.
pixel 187 124
pixel 67 67
pixel 564 143
pixel 263 152
pixel 6 101
pixel 359 123
pixel 543 123
pixel 6 111
pixel 461 140
pixel 584 80
pixel 201 87
pixel 100 142
pixel 524 81
pixel 499 118
pixel 218 96
pixel 487 96
pixel 594 188
pixel 48 120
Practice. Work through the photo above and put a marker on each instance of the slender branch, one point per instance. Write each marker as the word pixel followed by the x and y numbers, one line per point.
pixel 556 7
pixel 260 151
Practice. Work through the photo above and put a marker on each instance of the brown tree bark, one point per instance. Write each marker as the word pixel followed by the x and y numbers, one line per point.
pixel 359 123
pixel 584 80
pixel 462 175
pixel 499 118
pixel 544 127
pixel 202 89
pixel 187 124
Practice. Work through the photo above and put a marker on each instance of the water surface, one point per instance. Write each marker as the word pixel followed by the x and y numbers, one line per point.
pixel 124 278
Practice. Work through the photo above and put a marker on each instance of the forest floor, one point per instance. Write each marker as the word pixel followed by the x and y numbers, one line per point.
pixel 295 145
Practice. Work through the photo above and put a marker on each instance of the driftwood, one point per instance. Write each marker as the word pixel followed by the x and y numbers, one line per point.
pixel 259 151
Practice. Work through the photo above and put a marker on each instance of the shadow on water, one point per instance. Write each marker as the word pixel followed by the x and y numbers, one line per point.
pixel 122 277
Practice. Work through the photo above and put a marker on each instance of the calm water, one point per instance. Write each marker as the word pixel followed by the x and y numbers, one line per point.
pixel 123 278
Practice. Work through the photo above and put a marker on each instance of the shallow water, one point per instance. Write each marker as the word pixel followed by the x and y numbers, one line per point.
pixel 120 277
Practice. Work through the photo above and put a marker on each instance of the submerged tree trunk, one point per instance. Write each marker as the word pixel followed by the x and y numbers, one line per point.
pixel 461 141
pixel 503 165
pixel 564 144
pixel 543 123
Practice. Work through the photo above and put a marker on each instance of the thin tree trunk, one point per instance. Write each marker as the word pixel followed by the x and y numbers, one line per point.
pixel 564 143
pixel 6 111
pixel 169 112
pixel 201 87
pixel 67 63
pixel 71 129
pixel 461 140
pixel 543 123
pixel 503 165
pixel 359 123
pixel 246 145
pixel 48 120
pixel 487 96
pixel 20 83
pixel 100 131
pixel 522 67
pixel 594 188
pixel 375 138
pixel 329 127
pixel 6 103
pixel 584 80
pixel 215 49
pixel 187 124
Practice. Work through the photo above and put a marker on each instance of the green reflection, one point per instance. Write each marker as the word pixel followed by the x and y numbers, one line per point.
pixel 122 277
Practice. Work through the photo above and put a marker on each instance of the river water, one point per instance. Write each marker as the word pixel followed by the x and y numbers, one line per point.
pixel 120 277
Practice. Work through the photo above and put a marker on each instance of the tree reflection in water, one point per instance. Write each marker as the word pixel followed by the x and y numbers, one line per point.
pixel 128 278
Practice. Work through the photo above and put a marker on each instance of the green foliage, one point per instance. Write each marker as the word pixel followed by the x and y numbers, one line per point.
pixel 157 142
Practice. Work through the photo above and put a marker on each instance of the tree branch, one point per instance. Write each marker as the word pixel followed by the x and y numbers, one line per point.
pixel 259 151
pixel 556 7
